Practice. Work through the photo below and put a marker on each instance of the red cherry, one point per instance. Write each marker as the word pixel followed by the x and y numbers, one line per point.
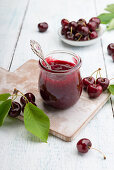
pixel 104 82
pixel 94 90
pixel 23 106
pixel 69 36
pixel 93 35
pixel 80 24
pixel 83 30
pixel 92 26
pixel 82 20
pixel 29 96
pixel 64 30
pixel 87 81
pixel 73 24
pixel 84 145
pixel 85 38
pixel 77 36
pixel 95 19
pixel 42 27
pixel 112 57
pixel 110 49
pixel 64 22
pixel 15 109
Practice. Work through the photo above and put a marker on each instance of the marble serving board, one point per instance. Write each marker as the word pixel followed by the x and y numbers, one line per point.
pixel 64 124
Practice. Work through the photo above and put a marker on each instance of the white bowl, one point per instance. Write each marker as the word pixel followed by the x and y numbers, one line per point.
pixel 82 43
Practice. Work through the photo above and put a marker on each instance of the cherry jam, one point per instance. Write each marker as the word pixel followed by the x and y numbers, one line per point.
pixel 61 85
pixel 59 65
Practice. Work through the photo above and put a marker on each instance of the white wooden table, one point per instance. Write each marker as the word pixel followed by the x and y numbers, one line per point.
pixel 19 150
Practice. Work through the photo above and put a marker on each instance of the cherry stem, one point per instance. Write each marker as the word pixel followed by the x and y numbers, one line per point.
pixel 100 74
pixel 23 96
pixel 71 30
pixel 98 151
pixel 15 93
pixel 15 98
pixel 95 71
pixel 12 99
pixel 79 37
pixel 96 75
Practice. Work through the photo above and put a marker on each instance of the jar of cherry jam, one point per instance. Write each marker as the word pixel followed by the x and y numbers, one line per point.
pixel 60 85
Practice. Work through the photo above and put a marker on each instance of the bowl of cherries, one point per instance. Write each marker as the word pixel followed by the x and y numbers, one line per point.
pixel 81 33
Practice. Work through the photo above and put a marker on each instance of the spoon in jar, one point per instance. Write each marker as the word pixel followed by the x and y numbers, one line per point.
pixel 36 48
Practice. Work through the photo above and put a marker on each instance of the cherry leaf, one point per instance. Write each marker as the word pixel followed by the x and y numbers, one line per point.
pixel 110 8
pixel 4 96
pixel 106 17
pixel 111 25
pixel 36 121
pixel 111 89
pixel 4 109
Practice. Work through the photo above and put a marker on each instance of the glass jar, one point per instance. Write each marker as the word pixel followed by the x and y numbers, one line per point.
pixel 60 88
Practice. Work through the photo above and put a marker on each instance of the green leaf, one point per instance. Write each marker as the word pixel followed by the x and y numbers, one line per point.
pixel 4 96
pixel 1 102
pixel 111 25
pixel 110 8
pixel 4 109
pixel 36 121
pixel 111 89
pixel 106 17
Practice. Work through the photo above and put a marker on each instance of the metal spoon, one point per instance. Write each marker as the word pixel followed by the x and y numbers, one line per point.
pixel 36 48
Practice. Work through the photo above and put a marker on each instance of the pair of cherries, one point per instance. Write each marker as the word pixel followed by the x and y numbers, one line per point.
pixel 16 108
pixel 95 87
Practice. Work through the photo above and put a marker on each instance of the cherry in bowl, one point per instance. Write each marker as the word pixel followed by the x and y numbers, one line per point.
pixel 95 19
pixel 79 33
pixel 64 22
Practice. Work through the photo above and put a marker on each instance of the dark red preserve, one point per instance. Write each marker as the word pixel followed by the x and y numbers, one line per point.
pixel 61 85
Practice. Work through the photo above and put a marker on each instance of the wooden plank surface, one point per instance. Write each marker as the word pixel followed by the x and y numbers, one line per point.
pixel 107 38
pixel 21 150
pixel 11 19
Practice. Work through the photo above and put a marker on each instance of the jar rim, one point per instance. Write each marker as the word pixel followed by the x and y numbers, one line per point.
pixel 77 66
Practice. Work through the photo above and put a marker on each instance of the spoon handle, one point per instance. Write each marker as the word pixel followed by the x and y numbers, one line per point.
pixel 36 48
